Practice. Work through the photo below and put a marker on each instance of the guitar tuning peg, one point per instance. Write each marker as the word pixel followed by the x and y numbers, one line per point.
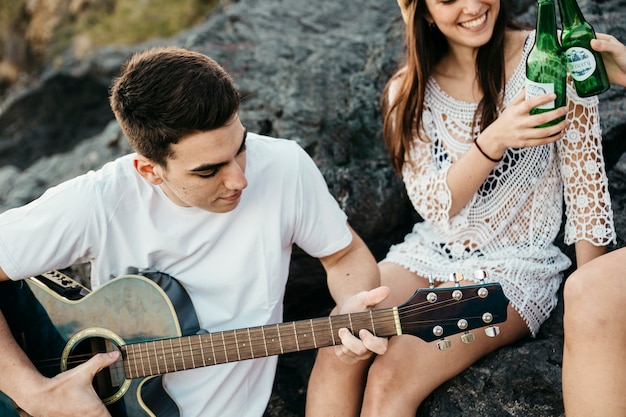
pixel 457 295
pixel 480 275
pixel 456 277
pixel 444 344
pixel 492 331
pixel 468 337
pixel 482 292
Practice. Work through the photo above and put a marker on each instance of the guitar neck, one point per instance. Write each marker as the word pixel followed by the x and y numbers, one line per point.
pixel 177 354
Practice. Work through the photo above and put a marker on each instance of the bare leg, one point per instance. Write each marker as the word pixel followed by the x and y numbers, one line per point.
pixel 402 378
pixel 336 388
pixel 399 380
pixel 594 364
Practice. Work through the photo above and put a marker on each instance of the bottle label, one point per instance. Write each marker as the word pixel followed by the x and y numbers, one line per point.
pixel 580 62
pixel 534 89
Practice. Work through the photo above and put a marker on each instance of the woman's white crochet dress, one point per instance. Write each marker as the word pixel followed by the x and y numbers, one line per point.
pixel 510 225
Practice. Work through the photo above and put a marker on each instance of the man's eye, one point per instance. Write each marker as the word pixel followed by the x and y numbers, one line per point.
pixel 208 174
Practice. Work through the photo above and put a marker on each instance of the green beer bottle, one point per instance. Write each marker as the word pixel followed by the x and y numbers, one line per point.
pixel 546 66
pixel 585 65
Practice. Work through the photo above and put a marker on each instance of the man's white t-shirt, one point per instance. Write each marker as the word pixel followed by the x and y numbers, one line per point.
pixel 234 265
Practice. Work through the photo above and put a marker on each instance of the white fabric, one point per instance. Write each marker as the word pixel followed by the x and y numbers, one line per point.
pixel 509 226
pixel 234 265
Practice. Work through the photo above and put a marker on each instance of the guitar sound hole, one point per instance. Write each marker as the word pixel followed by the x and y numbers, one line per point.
pixel 108 381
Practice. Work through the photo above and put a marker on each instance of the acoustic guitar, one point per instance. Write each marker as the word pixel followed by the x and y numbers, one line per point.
pixel 148 317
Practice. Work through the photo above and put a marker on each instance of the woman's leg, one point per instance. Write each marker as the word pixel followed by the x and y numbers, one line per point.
pixel 399 380
pixel 336 388
pixel 594 363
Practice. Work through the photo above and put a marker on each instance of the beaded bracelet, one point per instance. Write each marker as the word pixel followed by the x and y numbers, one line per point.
pixel 485 155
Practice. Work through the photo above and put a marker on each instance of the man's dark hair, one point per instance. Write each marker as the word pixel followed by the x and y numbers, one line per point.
pixel 167 93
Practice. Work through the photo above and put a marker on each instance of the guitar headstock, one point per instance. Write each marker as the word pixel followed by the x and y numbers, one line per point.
pixel 434 313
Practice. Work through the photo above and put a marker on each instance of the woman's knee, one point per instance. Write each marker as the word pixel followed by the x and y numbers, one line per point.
pixel 394 371
pixel 590 301
pixel 575 288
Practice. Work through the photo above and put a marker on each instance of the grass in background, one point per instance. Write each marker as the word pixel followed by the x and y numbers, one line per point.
pixel 124 22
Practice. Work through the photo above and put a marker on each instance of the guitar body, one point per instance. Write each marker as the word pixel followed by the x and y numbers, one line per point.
pixel 128 309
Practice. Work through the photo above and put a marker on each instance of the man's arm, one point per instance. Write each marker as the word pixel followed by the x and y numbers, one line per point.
pixel 68 394
pixel 353 281
pixel 351 270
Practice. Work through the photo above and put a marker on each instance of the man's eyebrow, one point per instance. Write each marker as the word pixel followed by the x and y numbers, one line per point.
pixel 211 167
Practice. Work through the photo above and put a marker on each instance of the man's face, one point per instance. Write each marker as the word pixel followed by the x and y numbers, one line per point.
pixel 207 170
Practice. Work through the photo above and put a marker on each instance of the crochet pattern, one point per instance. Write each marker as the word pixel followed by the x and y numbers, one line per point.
pixel 510 225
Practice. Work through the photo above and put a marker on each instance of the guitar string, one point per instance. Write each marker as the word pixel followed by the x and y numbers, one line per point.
pixel 132 359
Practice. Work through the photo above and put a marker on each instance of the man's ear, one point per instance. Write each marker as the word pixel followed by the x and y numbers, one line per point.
pixel 150 171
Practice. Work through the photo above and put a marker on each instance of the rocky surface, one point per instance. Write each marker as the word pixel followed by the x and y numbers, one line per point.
pixel 311 71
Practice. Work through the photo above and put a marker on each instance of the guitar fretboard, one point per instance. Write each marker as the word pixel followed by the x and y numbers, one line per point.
pixel 177 354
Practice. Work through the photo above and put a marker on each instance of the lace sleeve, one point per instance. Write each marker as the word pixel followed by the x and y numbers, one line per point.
pixel 587 199
pixel 426 184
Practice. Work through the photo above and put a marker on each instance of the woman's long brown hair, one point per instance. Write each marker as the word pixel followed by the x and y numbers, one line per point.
pixel 425 46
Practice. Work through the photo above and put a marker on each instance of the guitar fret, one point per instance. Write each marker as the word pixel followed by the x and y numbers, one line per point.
pixel 124 357
pixel 396 319
pixel 202 351
pixel 171 352
pixel 164 356
pixel 332 332
pixel 127 363
pixel 350 320
pixel 313 333
pixel 148 357
pixel 270 337
pixel 280 341
pixel 237 345
pixel 129 352
pixel 191 352
pixel 224 342
pixel 156 357
pixel 179 355
pixel 135 361
pixel 295 333
pixel 213 348
pixel 143 368
pixel 250 342
pixel 264 341
pixel 305 335
pixel 242 342
pixel 372 322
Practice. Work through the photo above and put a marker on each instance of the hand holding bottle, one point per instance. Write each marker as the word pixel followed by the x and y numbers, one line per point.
pixel 614 56
pixel 584 64
pixel 546 64
pixel 518 128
